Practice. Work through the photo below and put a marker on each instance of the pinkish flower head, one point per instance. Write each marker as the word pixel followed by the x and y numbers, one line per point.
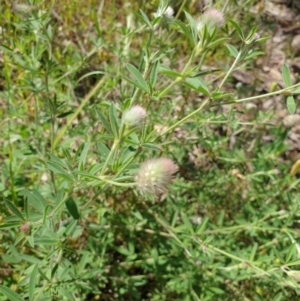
pixel 25 228
pixel 211 18
pixel 134 116
pixel 155 175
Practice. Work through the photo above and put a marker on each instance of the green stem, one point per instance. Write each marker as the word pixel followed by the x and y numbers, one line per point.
pixel 196 51
pixel 282 91
pixel 78 110
pixel 205 102
pixel 110 155
pixel 237 59
pixel 268 94
pixel 183 73
pixel 180 9
pixel 169 229
pixel 118 184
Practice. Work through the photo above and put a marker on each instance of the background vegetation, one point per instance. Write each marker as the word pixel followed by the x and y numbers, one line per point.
pixel 73 226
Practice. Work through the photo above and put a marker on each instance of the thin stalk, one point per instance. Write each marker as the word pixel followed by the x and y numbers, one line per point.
pixel 110 155
pixel 282 91
pixel 78 110
pixel 168 228
pixel 195 52
pixel 180 8
pixel 237 59
pixel 176 124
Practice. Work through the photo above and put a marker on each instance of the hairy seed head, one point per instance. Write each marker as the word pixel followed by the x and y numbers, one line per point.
pixel 155 175
pixel 134 116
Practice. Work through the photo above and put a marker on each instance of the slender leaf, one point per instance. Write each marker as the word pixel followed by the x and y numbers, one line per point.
pixel 143 17
pixel 71 228
pixel 238 29
pixel 193 27
pixel 151 146
pixel 104 122
pixel 286 75
pixel 170 72
pixel 10 225
pixel 186 31
pixel 253 54
pixel 233 51
pixel 103 149
pixel 251 34
pixel 197 84
pixel 72 208
pixel 83 155
pixel 57 169
pixel 138 77
pixel 291 252
pixel 89 74
pixel 153 74
pixel 14 209
pixel 32 282
pixel 290 103
pixel 10 294
pixel 113 120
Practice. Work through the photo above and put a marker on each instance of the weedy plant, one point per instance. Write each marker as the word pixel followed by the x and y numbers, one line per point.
pixel 100 200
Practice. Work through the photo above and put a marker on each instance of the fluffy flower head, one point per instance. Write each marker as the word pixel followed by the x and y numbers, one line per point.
pixel 164 12
pixel 166 15
pixel 211 18
pixel 155 175
pixel 134 116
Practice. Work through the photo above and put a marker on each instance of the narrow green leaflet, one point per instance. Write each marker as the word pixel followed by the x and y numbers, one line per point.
pixel 291 106
pixel 215 43
pixel 186 31
pixel 292 263
pixel 138 77
pixel 197 84
pixel 238 29
pixel 72 208
pixel 193 27
pixel 286 75
pixel 170 72
pixel 10 294
pixel 10 225
pixel 253 54
pixel 233 51
pixel 153 74
pixel 32 282
pixel 253 252
pixel 251 34
pixel 71 228
pixel 143 17
pixel 187 223
pixel 14 209
pixel 103 149
pixel 89 74
pixel 104 122
pixel 291 252
pixel 83 156
pixel 58 169
pixel 113 120
pixel 152 146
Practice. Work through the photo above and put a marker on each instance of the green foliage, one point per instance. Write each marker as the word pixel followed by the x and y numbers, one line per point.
pixel 73 225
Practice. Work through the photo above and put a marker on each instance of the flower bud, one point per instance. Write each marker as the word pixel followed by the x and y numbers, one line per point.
pixel 166 15
pixel 134 116
pixel 155 175
pixel 25 228
pixel 211 18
